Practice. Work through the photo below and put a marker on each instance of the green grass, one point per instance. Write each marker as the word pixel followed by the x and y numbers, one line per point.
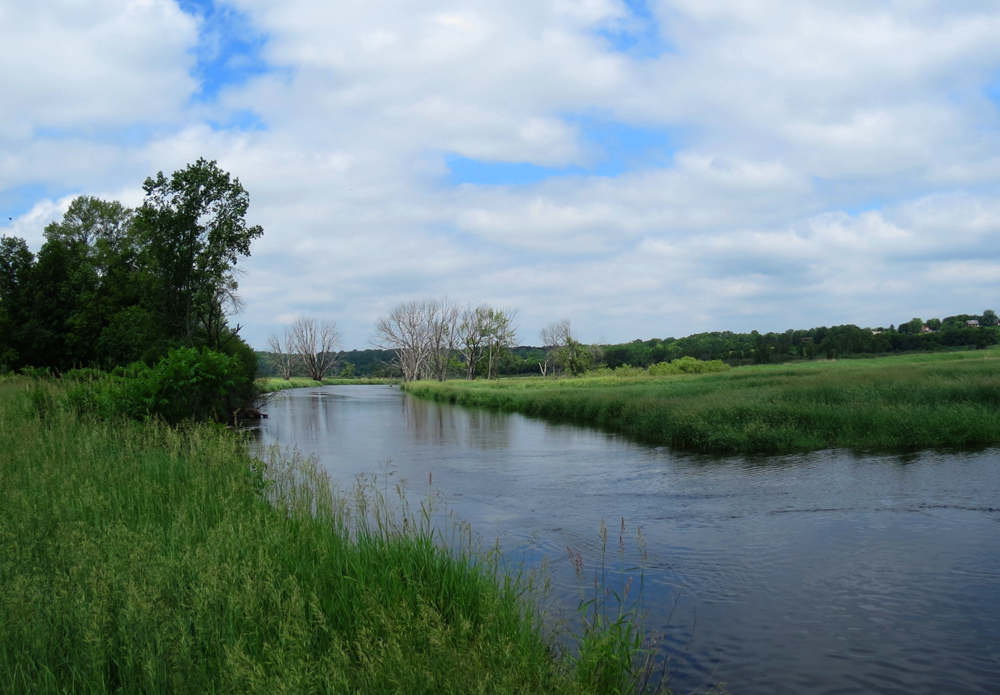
pixel 138 558
pixel 892 403
pixel 269 384
pixel 358 380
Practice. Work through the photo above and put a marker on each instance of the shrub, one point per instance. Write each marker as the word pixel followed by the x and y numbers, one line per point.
pixel 687 365
pixel 187 384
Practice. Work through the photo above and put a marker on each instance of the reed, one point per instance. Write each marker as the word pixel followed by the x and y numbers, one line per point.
pixel 140 558
pixel 892 403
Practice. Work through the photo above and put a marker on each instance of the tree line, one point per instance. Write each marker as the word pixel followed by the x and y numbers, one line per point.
pixel 822 342
pixel 114 286
pixel 437 339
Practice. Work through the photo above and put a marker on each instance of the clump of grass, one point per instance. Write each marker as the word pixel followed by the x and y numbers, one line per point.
pixel 611 646
pixel 140 558
pixel 893 403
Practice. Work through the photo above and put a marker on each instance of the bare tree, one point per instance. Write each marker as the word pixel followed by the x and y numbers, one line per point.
pixel 315 343
pixel 404 331
pixel 554 336
pixel 442 320
pixel 285 358
pixel 423 335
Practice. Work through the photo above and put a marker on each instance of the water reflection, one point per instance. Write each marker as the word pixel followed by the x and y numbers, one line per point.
pixel 808 573
pixel 439 424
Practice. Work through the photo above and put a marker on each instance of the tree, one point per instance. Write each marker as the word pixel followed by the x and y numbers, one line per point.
pixel 485 334
pixel 500 333
pixel 285 357
pixel 315 343
pixel 472 338
pixel 194 231
pixel 404 331
pixel 576 357
pixel 441 318
pixel 423 335
pixel 554 336
pixel 989 318
pixel 16 263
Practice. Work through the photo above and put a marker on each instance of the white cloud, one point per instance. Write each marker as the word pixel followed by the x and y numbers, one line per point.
pixel 789 117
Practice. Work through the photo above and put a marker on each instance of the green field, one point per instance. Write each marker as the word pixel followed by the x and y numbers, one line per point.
pixel 140 558
pixel 885 404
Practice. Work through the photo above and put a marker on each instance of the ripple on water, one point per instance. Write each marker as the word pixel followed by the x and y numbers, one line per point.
pixel 816 573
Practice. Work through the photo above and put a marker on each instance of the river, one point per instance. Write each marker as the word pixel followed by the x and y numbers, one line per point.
pixel 820 573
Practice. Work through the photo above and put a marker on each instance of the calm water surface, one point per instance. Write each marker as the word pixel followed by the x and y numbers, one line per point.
pixel 812 573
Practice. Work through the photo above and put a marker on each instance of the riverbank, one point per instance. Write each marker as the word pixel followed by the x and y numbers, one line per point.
pixel 881 404
pixel 270 384
pixel 139 558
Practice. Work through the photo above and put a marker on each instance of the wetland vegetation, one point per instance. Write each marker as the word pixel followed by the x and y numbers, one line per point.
pixel 136 557
pixel 887 403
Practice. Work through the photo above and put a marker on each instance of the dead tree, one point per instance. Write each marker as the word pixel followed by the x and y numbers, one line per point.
pixel 315 343
pixel 404 331
pixel 284 356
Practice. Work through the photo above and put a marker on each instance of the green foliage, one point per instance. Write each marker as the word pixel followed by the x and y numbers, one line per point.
pixel 137 558
pixel 111 286
pixel 895 403
pixel 188 384
pixel 193 231
pixel 687 365
pixel 574 357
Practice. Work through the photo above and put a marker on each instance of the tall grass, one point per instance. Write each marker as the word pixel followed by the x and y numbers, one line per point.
pixel 138 558
pixel 891 403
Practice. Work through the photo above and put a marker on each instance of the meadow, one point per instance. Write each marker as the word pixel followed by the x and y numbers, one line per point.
pixel 880 404
pixel 136 557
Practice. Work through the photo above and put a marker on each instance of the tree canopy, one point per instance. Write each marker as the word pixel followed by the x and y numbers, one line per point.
pixel 112 285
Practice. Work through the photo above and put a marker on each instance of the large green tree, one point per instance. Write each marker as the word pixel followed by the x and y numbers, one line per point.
pixel 193 229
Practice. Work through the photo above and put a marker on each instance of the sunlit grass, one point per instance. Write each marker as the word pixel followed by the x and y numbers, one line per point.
pixel 138 558
pixel 914 401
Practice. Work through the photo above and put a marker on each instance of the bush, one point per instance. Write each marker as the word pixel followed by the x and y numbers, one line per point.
pixel 188 384
pixel 191 384
pixel 687 365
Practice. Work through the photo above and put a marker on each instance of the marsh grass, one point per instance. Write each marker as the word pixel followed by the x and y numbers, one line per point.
pixel 892 403
pixel 139 558
pixel 270 384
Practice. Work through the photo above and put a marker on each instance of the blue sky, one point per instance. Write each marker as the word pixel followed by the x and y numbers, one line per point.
pixel 642 167
pixel 229 49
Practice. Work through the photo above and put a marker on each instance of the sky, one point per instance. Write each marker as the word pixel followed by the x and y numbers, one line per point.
pixel 644 168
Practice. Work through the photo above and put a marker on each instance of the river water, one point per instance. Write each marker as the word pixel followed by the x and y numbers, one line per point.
pixel 828 572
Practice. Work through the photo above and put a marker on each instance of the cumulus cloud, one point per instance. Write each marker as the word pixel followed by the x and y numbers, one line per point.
pixel 828 162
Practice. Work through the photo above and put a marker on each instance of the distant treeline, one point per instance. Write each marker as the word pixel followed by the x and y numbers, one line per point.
pixel 368 363
pixel 825 343
pixel 733 348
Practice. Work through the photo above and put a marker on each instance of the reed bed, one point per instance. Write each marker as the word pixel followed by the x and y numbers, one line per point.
pixel 139 558
pixel 892 403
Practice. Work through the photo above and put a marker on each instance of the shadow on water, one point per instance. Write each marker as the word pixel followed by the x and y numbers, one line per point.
pixel 825 572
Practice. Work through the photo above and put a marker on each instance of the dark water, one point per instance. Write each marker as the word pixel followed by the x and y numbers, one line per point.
pixel 813 573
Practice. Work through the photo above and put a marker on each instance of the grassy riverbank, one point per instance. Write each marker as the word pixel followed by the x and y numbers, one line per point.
pixel 278 384
pixel 890 403
pixel 138 558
